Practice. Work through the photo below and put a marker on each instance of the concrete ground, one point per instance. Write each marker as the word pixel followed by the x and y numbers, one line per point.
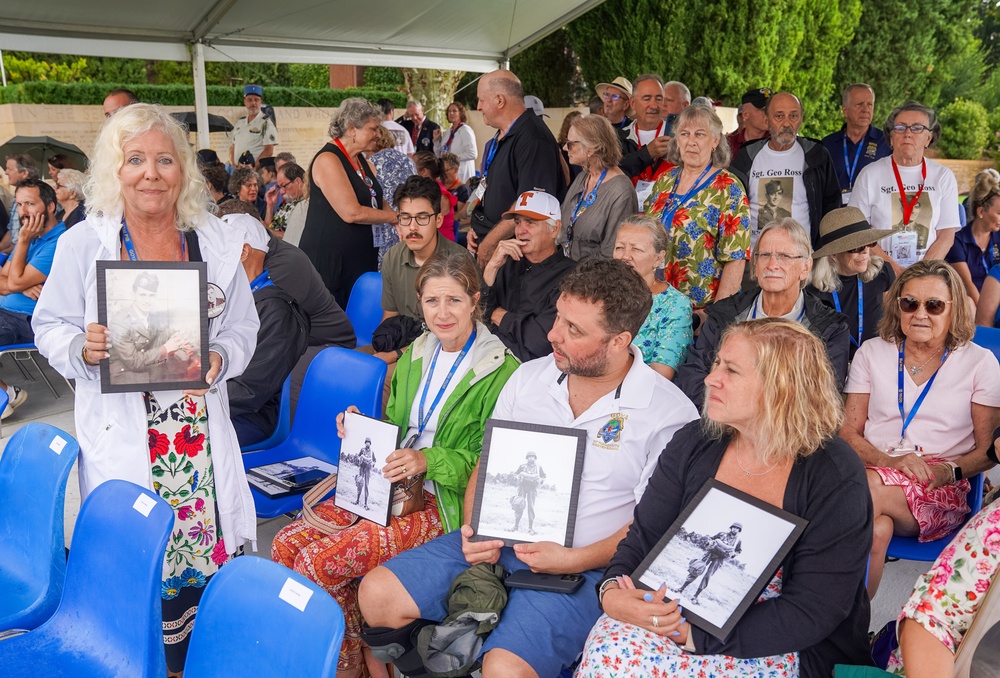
pixel 41 405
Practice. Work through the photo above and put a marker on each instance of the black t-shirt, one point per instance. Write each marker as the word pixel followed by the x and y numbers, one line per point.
pixel 872 306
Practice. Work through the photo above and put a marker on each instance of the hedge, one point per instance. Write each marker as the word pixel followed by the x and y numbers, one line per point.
pixel 93 93
pixel 965 130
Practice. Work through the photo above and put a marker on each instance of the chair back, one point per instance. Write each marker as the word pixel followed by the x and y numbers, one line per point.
pixel 284 425
pixel 271 618
pixel 988 338
pixel 110 619
pixel 364 306
pixel 34 469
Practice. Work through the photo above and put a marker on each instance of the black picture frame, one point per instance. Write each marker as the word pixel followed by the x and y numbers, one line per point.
pixel 506 446
pixel 772 533
pixel 379 491
pixel 179 308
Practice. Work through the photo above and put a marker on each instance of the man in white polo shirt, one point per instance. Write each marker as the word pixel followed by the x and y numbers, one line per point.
pixel 595 381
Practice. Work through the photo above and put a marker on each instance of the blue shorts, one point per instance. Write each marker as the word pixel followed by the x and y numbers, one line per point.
pixel 547 630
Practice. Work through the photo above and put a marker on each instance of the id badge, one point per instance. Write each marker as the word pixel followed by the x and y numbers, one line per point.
pixel 904 247
pixel 480 191
pixel 903 447
pixel 642 191
pixel 845 197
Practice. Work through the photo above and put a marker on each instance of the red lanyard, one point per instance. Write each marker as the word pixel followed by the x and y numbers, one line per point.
pixel 416 131
pixel 647 174
pixel 359 172
pixel 659 128
pixel 451 136
pixel 908 206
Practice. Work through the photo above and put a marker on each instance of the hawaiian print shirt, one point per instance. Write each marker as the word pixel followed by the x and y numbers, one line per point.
pixel 711 230
pixel 278 223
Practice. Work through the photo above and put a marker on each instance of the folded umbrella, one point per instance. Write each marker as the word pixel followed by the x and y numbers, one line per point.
pixel 216 123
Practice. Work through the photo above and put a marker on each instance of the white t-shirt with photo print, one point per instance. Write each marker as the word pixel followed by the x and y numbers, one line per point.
pixel 785 167
pixel 876 194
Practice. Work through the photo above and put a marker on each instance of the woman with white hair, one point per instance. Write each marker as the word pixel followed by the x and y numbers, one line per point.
pixel 347 201
pixel 147 201
pixel 69 193
pixel 847 275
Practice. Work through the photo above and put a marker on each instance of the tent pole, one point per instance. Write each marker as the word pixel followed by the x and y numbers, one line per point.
pixel 3 71
pixel 200 94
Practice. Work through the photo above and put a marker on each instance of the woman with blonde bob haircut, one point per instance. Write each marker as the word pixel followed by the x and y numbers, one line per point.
pixel 601 196
pixel 920 452
pixel 768 429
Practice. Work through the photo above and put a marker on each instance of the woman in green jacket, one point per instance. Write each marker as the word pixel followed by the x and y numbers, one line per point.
pixel 443 391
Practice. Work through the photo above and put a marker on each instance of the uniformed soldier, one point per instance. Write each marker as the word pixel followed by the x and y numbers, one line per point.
pixel 254 132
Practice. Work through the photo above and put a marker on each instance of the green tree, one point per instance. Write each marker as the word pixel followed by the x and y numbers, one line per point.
pixel 28 69
pixel 965 130
pixel 549 70
pixel 432 87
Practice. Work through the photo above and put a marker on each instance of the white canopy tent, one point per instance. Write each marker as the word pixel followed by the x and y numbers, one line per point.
pixel 467 35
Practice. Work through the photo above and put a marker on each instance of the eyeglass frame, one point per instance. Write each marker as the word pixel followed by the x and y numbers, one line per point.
pixel 925 303
pixel 781 258
pixel 900 129
pixel 410 218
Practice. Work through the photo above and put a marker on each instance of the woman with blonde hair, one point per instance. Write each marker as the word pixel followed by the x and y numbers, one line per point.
pixel 768 429
pixel 922 404
pixel 601 196
pixel 977 246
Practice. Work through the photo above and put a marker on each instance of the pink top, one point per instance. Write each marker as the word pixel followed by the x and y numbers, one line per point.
pixel 448 225
pixel 943 424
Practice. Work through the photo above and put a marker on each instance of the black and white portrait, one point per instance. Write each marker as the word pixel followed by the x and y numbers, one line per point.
pixel 157 317
pixel 528 483
pixel 361 487
pixel 719 555
pixel 280 478
pixel 774 195
pixel 921 217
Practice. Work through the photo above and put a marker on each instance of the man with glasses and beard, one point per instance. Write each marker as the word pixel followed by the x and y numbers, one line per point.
pixel 786 155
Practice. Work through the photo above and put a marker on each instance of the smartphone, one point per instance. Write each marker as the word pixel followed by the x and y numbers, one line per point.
pixel 540 581
pixel 305 478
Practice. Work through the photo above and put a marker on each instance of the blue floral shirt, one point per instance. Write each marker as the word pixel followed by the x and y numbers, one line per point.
pixel 665 336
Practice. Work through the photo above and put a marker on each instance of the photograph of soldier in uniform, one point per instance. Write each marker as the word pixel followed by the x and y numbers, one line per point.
pixel 361 486
pixel 720 547
pixel 366 461
pixel 528 484
pixel 775 205
pixel 920 217
pixel 155 318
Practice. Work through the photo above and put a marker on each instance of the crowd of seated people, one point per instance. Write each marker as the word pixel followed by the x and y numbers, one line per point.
pixel 768 285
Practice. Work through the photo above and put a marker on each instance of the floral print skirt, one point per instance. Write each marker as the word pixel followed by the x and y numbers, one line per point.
pixel 616 649
pixel 939 511
pixel 181 467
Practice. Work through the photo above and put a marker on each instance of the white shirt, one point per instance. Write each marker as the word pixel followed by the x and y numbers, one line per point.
pixel 463 144
pixel 616 468
pixel 785 167
pixel 253 136
pixel 876 193
pixel 404 144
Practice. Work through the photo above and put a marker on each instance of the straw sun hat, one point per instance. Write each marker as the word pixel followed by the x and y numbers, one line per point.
pixel 845 229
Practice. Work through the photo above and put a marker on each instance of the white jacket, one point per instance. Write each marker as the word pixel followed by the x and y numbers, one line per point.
pixel 112 427
pixel 464 146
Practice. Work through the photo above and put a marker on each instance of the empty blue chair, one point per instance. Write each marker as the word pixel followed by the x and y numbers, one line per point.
pixel 109 622
pixel 34 469
pixel 269 618
pixel 988 338
pixel 284 425
pixel 909 548
pixel 337 377
pixel 364 306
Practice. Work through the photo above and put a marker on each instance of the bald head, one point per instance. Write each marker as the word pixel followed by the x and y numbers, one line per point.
pixel 501 98
pixel 784 119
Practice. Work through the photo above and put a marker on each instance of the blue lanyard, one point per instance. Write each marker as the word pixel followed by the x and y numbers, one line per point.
pixel 851 169
pixel 923 394
pixel 861 311
pixel 493 149
pixel 989 248
pixel 422 419
pixel 130 249
pixel 260 282
pixel 582 204
pixel 758 302
pixel 674 203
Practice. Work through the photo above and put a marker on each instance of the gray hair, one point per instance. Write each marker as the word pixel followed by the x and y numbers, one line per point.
pixel 414 102
pixel 656 231
pixel 722 153
pixel 851 88
pixel 355 112
pixel 826 273
pixel 683 88
pixel 73 180
pixel 915 106
pixel 647 76
pixel 795 231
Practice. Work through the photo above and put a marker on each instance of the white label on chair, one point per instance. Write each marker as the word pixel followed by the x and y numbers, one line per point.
pixel 57 445
pixel 144 504
pixel 295 594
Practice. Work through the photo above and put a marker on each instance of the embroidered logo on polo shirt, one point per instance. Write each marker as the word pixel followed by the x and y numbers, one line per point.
pixel 872 150
pixel 611 433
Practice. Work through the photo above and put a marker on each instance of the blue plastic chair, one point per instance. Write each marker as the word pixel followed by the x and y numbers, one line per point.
pixel 270 618
pixel 284 425
pixel 988 338
pixel 364 306
pixel 909 548
pixel 336 378
pixel 109 622
pixel 26 353
pixel 34 469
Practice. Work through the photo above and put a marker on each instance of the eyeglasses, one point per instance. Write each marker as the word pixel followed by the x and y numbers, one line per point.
pixel 914 129
pixel 933 306
pixel 422 219
pixel 610 96
pixel 570 144
pixel 780 257
pixel 859 250
pixel 283 186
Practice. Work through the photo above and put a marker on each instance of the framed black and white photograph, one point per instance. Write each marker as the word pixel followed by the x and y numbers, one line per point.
pixel 719 555
pixel 285 478
pixel 361 487
pixel 157 315
pixel 529 483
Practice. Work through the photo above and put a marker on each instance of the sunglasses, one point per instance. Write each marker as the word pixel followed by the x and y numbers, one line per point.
pixel 612 97
pixel 859 250
pixel 933 306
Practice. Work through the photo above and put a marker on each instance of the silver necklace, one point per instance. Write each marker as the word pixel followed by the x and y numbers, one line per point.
pixel 762 473
pixel 914 370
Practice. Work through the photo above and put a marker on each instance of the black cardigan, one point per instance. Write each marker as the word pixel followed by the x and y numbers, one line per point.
pixel 823 610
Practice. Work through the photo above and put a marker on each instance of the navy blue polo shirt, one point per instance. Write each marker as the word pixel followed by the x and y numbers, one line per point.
pixel 966 250
pixel 873 147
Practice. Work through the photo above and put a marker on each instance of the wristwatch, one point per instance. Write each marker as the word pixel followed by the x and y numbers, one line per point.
pixel 956 471
pixel 603 589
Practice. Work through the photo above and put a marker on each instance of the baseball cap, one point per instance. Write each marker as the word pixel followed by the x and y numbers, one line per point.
pixel 621 83
pixel 535 104
pixel 250 229
pixel 253 89
pixel 757 97
pixel 536 205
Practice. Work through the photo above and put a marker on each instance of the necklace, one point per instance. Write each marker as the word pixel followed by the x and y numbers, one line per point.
pixel 762 473
pixel 914 370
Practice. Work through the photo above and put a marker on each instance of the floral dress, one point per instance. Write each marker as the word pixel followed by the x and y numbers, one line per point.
pixel 181 467
pixel 616 649
pixel 947 598
pixel 666 334
pixel 708 232
pixel 393 169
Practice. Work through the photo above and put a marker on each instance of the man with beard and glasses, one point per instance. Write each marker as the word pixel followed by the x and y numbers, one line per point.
pixel 803 163
pixel 594 381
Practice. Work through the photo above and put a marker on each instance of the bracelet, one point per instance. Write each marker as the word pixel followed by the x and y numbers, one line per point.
pixel 84 355
pixel 604 588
